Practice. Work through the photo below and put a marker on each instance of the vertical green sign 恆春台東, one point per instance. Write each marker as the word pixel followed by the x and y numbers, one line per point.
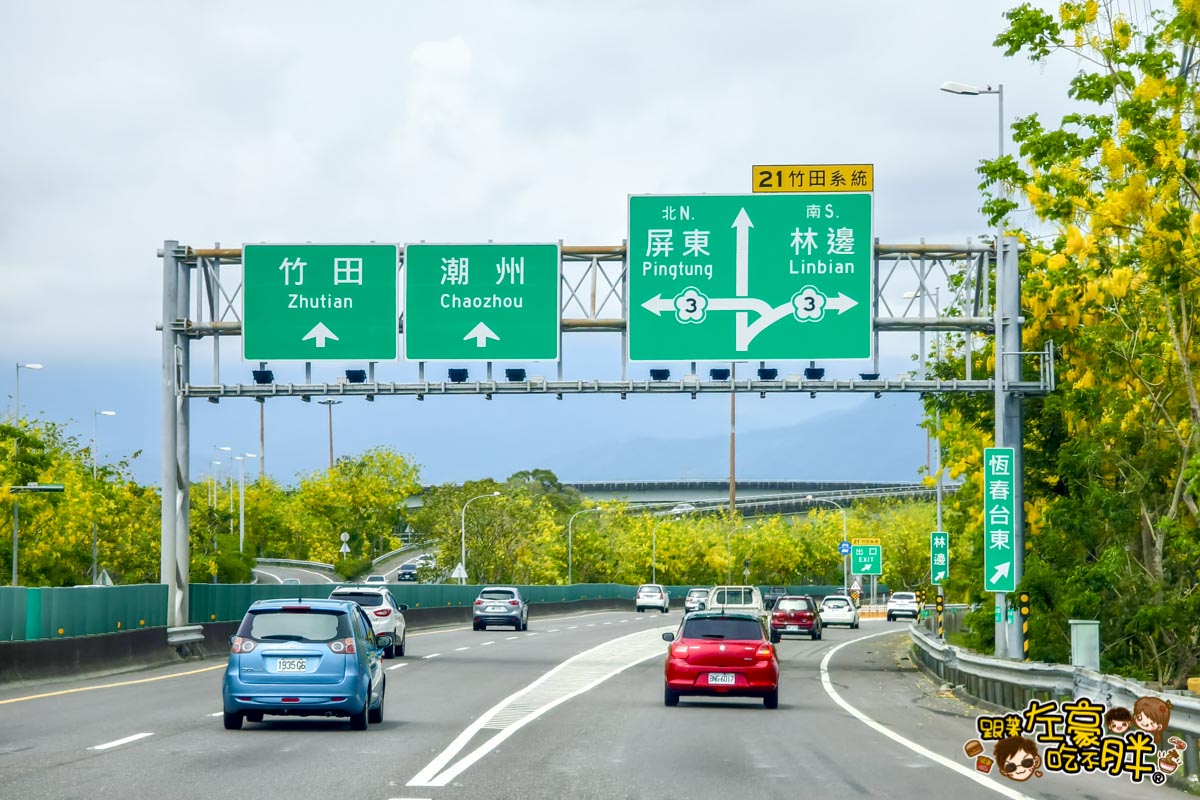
pixel 999 514
pixel 866 557
pixel 750 277
pixel 481 302
pixel 939 557
pixel 319 302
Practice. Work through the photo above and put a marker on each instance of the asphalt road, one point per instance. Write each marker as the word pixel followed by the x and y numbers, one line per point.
pixel 571 708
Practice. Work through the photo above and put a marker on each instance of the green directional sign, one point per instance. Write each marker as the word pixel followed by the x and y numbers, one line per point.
pixel 999 516
pixel 866 557
pixel 750 277
pixel 481 302
pixel 939 557
pixel 319 302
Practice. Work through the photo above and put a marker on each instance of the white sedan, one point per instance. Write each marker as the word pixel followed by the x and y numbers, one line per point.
pixel 838 611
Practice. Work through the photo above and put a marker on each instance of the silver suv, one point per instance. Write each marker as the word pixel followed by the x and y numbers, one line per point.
pixel 385 614
pixel 500 605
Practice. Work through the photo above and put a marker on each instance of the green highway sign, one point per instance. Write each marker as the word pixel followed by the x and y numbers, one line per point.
pixel 750 277
pixel 481 302
pixel 866 557
pixel 999 514
pixel 939 557
pixel 319 302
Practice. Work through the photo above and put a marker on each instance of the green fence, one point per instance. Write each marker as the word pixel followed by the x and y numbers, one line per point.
pixel 49 613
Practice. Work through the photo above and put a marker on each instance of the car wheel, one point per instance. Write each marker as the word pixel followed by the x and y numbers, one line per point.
pixel 666 609
pixel 670 698
pixel 816 635
pixel 375 715
pixel 403 642
pixel 358 722
pixel 254 716
pixel 854 626
pixel 233 722
pixel 639 609
pixel 475 626
pixel 771 698
pixel 775 637
pixel 889 617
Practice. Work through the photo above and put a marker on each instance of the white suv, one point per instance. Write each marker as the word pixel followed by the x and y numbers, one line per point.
pixel 383 611
pixel 652 595
pixel 903 604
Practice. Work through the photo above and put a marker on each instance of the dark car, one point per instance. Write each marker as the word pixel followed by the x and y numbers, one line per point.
pixel 772 595
pixel 407 572
pixel 795 615
pixel 721 655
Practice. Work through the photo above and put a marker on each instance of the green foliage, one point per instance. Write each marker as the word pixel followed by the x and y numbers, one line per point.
pixel 351 569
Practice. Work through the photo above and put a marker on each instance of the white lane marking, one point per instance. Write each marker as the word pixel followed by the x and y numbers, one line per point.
pixel 622 620
pixel 120 742
pixel 608 623
pixel 460 649
pixel 578 674
pixel 397 666
pixel 432 655
pixel 310 572
pixel 552 630
pixel 591 624
pixel 510 638
pixel 268 574
pixel 485 644
pixel 573 628
pixel 535 633
pixel 218 714
pixel 911 745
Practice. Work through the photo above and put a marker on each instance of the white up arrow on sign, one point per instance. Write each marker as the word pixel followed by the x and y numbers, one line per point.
pixel 481 333
pixel 320 333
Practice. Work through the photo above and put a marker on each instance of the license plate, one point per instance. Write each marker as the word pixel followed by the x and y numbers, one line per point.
pixel 720 678
pixel 495 609
pixel 793 627
pixel 292 665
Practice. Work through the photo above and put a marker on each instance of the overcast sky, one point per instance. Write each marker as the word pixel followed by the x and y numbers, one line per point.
pixel 128 123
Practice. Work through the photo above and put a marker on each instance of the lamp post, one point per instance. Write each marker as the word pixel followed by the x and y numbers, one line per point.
pixel 95 553
pixel 214 462
pixel 937 412
pixel 242 497
pixel 463 532
pixel 17 389
pixel 1007 410
pixel 329 404
pixel 570 549
pixel 845 559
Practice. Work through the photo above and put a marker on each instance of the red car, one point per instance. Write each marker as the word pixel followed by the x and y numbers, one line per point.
pixel 795 615
pixel 721 655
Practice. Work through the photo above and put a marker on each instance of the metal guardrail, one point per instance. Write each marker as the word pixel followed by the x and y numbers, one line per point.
pixel 290 562
pixel 405 549
pixel 1012 684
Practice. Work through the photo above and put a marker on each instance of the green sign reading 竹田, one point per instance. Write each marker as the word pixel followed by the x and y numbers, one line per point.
pixel 319 302
pixel 750 277
pixel 481 302
pixel 999 516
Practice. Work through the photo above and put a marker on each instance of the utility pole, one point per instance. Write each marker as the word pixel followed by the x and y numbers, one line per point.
pixel 732 437
pixel 329 404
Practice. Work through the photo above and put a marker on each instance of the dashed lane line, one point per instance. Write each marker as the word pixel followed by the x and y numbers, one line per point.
pixel 485 644
pixel 397 666
pixel 510 638
pixel 460 649
pixel 119 742
pixel 431 655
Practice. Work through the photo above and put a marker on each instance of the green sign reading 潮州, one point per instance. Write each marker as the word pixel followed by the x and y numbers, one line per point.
pixel 750 277
pixel 311 302
pixel 481 302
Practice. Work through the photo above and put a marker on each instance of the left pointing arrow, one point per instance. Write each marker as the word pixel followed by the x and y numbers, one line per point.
pixel 321 334
pixel 481 333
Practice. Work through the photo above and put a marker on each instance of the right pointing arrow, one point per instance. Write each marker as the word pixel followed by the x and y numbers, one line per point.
pixel 1001 572
pixel 841 303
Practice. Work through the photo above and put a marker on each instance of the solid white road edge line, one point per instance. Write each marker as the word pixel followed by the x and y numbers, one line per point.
pixel 430 776
pixel 911 745
pixel 120 742
pixel 310 572
pixel 268 574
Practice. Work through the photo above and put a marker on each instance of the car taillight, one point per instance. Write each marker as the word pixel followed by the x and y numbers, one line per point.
pixel 241 645
pixel 679 650
pixel 514 602
pixel 765 651
pixel 383 612
pixel 343 646
pixel 806 615
pixel 478 602
pixel 779 615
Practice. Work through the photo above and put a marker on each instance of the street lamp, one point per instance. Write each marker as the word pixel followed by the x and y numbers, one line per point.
pixel 463 532
pixel 242 497
pixel 329 404
pixel 570 550
pixel 212 500
pixel 845 559
pixel 17 389
pixel 95 416
pixel 937 411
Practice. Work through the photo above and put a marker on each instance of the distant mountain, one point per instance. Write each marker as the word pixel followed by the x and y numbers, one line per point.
pixel 879 441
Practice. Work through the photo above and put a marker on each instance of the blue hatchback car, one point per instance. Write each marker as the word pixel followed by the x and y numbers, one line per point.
pixel 305 657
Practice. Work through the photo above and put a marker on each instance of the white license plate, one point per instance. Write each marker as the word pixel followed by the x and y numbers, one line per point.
pixel 495 609
pixel 292 665
pixel 720 678
pixel 793 627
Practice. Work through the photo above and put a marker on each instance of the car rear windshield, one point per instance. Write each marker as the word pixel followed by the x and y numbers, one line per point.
pixel 366 599
pixel 497 594
pixel 408 567
pixel 734 597
pixel 721 628
pixel 279 625
pixel 648 590
pixel 839 603
pixel 904 596
pixel 698 593
pixel 794 604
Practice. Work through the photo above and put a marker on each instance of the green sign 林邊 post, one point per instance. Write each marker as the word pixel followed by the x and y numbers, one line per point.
pixel 482 302
pixel 750 277
pixel 319 302
pixel 939 557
